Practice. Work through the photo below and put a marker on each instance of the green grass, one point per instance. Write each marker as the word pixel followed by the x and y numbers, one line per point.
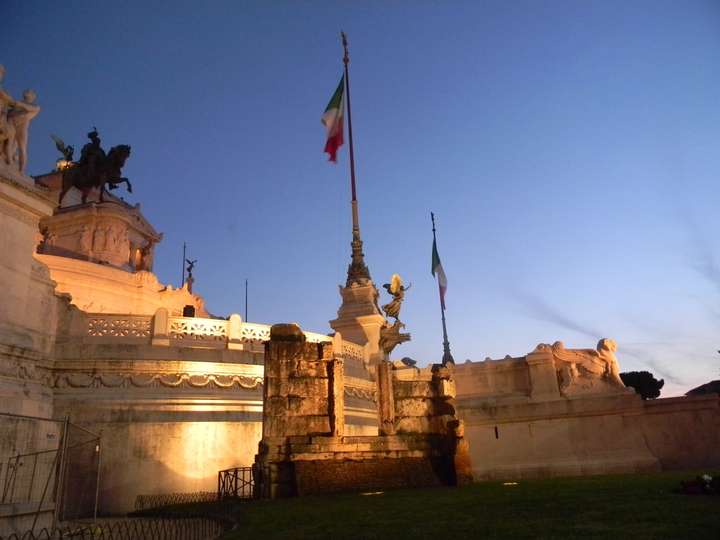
pixel 626 506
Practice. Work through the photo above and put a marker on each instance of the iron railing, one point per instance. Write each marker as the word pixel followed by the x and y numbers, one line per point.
pixel 132 529
pixel 149 502
pixel 236 483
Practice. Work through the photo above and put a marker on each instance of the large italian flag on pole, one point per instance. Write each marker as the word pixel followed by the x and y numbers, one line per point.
pixel 332 119
pixel 438 269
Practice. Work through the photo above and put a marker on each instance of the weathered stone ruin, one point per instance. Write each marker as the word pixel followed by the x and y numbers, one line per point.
pixel 304 448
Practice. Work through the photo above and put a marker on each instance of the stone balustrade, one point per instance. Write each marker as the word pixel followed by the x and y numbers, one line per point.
pixel 162 329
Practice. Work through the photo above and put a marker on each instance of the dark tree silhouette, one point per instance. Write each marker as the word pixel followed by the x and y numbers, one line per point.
pixel 644 383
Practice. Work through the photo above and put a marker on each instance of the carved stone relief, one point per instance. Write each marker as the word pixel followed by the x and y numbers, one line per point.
pixel 155 380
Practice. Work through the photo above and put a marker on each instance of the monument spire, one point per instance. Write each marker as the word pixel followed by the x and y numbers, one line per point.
pixel 442 287
pixel 357 271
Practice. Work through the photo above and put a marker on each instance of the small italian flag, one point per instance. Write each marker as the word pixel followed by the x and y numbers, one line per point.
pixel 332 119
pixel 438 269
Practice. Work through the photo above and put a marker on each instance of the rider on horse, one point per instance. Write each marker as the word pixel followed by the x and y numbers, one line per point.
pixel 92 153
pixel 95 169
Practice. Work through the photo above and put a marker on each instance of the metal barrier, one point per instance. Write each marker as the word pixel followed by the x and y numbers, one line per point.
pixel 62 480
pixel 135 529
pixel 148 502
pixel 26 474
pixel 236 483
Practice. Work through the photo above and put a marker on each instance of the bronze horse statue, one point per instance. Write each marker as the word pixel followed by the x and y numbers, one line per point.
pixel 104 171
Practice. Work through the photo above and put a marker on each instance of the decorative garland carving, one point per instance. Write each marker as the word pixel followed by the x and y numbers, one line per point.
pixel 155 380
pixel 361 393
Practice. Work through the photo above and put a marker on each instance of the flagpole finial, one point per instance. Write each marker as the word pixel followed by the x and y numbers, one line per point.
pixel 343 37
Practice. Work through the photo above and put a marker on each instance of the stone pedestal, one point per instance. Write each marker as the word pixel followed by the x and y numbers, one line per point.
pixel 359 319
pixel 112 233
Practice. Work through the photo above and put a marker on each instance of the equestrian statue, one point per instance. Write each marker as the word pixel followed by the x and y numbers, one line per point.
pixel 95 169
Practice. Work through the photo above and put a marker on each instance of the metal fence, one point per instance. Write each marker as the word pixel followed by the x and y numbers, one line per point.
pixel 134 529
pixel 62 479
pixel 79 467
pixel 243 483
pixel 27 476
pixel 236 483
pixel 148 502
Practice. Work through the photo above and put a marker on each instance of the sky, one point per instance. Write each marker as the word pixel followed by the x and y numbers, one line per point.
pixel 568 150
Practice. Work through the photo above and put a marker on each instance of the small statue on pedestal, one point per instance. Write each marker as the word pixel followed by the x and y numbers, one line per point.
pixel 397 290
pixel 390 335
pixel 190 279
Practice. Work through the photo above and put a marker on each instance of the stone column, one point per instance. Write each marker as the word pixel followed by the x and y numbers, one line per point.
pixel 336 384
pixel 386 400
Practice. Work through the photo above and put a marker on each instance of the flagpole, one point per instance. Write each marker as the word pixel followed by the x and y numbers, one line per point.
pixel 447 356
pixel 183 266
pixel 357 271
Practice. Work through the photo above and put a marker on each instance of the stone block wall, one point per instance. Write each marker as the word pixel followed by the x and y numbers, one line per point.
pixel 303 391
pixel 534 428
pixel 305 449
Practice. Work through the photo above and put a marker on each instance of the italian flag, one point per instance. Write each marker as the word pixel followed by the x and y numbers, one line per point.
pixel 438 269
pixel 332 119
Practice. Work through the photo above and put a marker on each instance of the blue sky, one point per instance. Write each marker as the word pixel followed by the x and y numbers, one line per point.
pixel 568 150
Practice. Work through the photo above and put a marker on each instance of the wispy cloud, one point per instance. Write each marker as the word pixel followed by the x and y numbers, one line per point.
pixel 648 358
pixel 702 258
pixel 539 309
pixel 646 353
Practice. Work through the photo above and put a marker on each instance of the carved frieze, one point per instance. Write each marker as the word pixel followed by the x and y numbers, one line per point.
pixel 361 393
pixel 156 380
pixel 25 371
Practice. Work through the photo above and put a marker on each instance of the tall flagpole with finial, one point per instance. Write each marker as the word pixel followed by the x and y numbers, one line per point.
pixel 437 270
pixel 357 271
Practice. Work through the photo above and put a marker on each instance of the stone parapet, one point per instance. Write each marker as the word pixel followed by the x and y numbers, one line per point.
pixel 165 330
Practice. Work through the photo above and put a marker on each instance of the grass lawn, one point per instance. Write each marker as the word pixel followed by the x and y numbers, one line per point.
pixel 623 506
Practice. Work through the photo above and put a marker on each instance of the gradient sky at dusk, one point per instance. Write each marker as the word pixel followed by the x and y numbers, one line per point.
pixel 569 150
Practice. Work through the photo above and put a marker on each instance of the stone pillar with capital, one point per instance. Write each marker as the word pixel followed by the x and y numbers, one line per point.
pixel 359 320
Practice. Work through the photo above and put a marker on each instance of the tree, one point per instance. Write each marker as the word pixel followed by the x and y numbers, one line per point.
pixel 644 383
